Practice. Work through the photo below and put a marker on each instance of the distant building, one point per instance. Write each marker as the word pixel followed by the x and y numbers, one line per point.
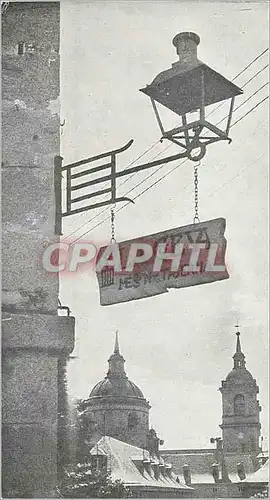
pixel 241 410
pixel 221 471
pixel 116 408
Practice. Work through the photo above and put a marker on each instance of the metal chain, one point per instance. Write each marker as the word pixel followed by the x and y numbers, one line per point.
pixel 113 240
pixel 196 194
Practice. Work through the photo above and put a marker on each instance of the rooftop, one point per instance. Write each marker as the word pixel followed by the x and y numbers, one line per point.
pixel 201 461
pixel 260 476
pixel 126 462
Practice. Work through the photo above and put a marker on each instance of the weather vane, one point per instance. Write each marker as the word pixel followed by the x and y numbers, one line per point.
pixel 237 326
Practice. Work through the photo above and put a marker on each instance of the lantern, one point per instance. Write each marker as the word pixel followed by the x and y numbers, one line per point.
pixel 187 87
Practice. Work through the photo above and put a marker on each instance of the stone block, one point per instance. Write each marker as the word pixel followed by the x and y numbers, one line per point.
pixel 30 135
pixel 26 285
pixel 29 460
pixel 28 199
pixel 39 332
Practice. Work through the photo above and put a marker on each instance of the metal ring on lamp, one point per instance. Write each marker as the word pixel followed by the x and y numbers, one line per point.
pixel 199 156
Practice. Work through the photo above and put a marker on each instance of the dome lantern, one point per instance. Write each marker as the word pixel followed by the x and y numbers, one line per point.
pixel 116 382
pixel 116 406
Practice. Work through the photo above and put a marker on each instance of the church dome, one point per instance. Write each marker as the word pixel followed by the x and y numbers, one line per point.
pixel 116 407
pixel 116 383
pixel 239 374
pixel 121 387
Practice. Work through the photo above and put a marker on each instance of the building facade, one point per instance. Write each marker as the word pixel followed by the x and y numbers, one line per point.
pixel 115 420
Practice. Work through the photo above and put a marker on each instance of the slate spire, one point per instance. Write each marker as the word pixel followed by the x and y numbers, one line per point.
pixel 238 357
pixel 116 362
pixel 116 344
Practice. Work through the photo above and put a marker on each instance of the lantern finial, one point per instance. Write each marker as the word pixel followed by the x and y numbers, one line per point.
pixel 186 43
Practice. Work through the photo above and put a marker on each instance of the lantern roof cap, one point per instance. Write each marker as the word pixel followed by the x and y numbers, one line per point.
pixel 181 87
pixel 186 35
pixel 180 90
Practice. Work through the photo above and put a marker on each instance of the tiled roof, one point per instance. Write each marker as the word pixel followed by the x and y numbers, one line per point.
pixel 201 461
pixel 232 459
pixel 122 460
pixel 122 387
pixel 200 465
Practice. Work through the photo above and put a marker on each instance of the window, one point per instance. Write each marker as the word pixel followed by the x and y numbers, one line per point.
pixel 239 404
pixel 244 448
pixel 132 420
pixel 21 48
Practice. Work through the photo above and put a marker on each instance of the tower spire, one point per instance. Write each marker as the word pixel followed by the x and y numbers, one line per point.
pixel 116 361
pixel 239 357
pixel 238 344
pixel 116 344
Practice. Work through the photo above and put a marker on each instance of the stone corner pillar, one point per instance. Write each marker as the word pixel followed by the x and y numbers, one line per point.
pixel 31 347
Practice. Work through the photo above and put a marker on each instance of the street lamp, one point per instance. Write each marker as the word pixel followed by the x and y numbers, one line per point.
pixel 187 87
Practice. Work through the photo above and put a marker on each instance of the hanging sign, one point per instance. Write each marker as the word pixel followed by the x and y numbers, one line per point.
pixel 150 265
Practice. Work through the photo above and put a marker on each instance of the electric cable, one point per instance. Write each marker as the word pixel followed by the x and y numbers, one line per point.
pixel 151 147
pixel 160 178
pixel 170 145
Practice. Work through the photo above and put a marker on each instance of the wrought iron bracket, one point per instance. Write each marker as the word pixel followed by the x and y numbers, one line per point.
pixel 66 181
pixel 63 308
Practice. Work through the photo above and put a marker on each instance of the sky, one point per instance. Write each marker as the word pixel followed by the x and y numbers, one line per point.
pixel 178 346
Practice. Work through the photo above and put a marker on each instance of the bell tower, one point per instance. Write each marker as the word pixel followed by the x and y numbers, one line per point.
pixel 240 407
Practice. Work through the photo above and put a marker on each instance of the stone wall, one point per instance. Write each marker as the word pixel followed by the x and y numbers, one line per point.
pixel 125 420
pixel 34 336
pixel 241 432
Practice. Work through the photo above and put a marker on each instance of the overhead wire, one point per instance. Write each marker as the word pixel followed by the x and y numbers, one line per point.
pixel 213 110
pixel 151 147
pixel 250 110
pixel 177 166
pixel 246 100
pixel 160 178
pixel 254 76
pixel 252 62
pixel 184 161
pixel 245 69
pixel 170 145
pixel 127 166
pixel 143 181
pixel 159 168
